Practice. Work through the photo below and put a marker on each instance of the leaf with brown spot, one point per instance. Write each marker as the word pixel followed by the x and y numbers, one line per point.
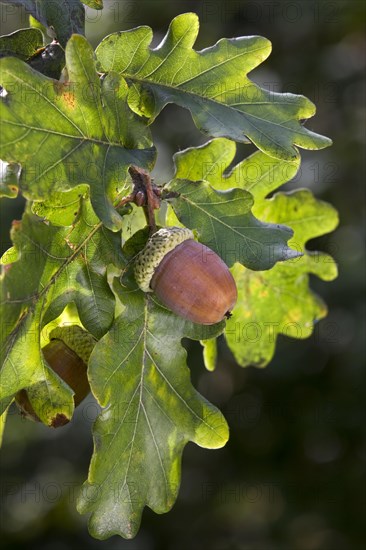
pixel 84 128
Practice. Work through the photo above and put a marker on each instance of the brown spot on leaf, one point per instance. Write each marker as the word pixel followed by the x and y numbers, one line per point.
pixel 59 420
pixel 69 99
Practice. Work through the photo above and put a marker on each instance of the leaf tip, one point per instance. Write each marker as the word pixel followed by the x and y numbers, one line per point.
pixel 291 254
pixel 59 420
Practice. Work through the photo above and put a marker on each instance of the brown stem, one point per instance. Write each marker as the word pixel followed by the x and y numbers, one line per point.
pixel 143 184
pixel 150 205
pixel 126 200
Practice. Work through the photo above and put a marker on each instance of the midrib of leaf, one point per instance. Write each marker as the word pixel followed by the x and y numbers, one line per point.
pixel 218 220
pixel 141 405
pixel 177 88
pixel 82 138
pixel 292 222
pixel 111 470
pixel 143 80
pixel 140 388
pixel 198 99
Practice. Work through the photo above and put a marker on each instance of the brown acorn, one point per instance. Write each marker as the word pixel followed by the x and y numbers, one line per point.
pixel 187 276
pixel 67 354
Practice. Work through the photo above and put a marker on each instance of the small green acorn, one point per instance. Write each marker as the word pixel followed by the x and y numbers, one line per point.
pixel 187 276
pixel 67 354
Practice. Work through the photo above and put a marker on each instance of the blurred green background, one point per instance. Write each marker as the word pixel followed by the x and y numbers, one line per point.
pixel 292 476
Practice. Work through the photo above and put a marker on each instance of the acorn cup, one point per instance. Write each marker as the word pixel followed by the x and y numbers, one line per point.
pixel 188 277
pixel 67 354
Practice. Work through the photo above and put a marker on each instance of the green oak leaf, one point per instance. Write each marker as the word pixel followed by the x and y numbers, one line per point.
pixel 259 174
pixel 212 84
pixel 22 44
pixel 84 129
pixel 64 17
pixel 48 268
pixel 278 301
pixel 224 222
pixel 138 372
pixel 27 268
pixel 22 307
pixel 85 282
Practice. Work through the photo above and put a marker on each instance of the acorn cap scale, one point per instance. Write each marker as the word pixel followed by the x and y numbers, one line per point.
pixel 157 247
pixel 76 338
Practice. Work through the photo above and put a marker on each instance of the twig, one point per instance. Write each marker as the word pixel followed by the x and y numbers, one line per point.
pixel 145 194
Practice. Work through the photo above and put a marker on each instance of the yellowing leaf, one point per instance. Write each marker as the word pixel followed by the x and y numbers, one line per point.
pixel 277 301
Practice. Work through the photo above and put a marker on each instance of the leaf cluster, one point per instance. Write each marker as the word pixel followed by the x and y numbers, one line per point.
pixel 69 136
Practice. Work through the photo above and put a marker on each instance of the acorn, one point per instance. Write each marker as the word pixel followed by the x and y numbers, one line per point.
pixel 67 354
pixel 188 277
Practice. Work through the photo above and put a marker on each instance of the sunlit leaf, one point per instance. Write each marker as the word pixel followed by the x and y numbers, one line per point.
pixel 212 84
pixel 51 267
pixel 23 43
pixel 224 222
pixel 278 301
pixel 83 128
pixel 138 372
